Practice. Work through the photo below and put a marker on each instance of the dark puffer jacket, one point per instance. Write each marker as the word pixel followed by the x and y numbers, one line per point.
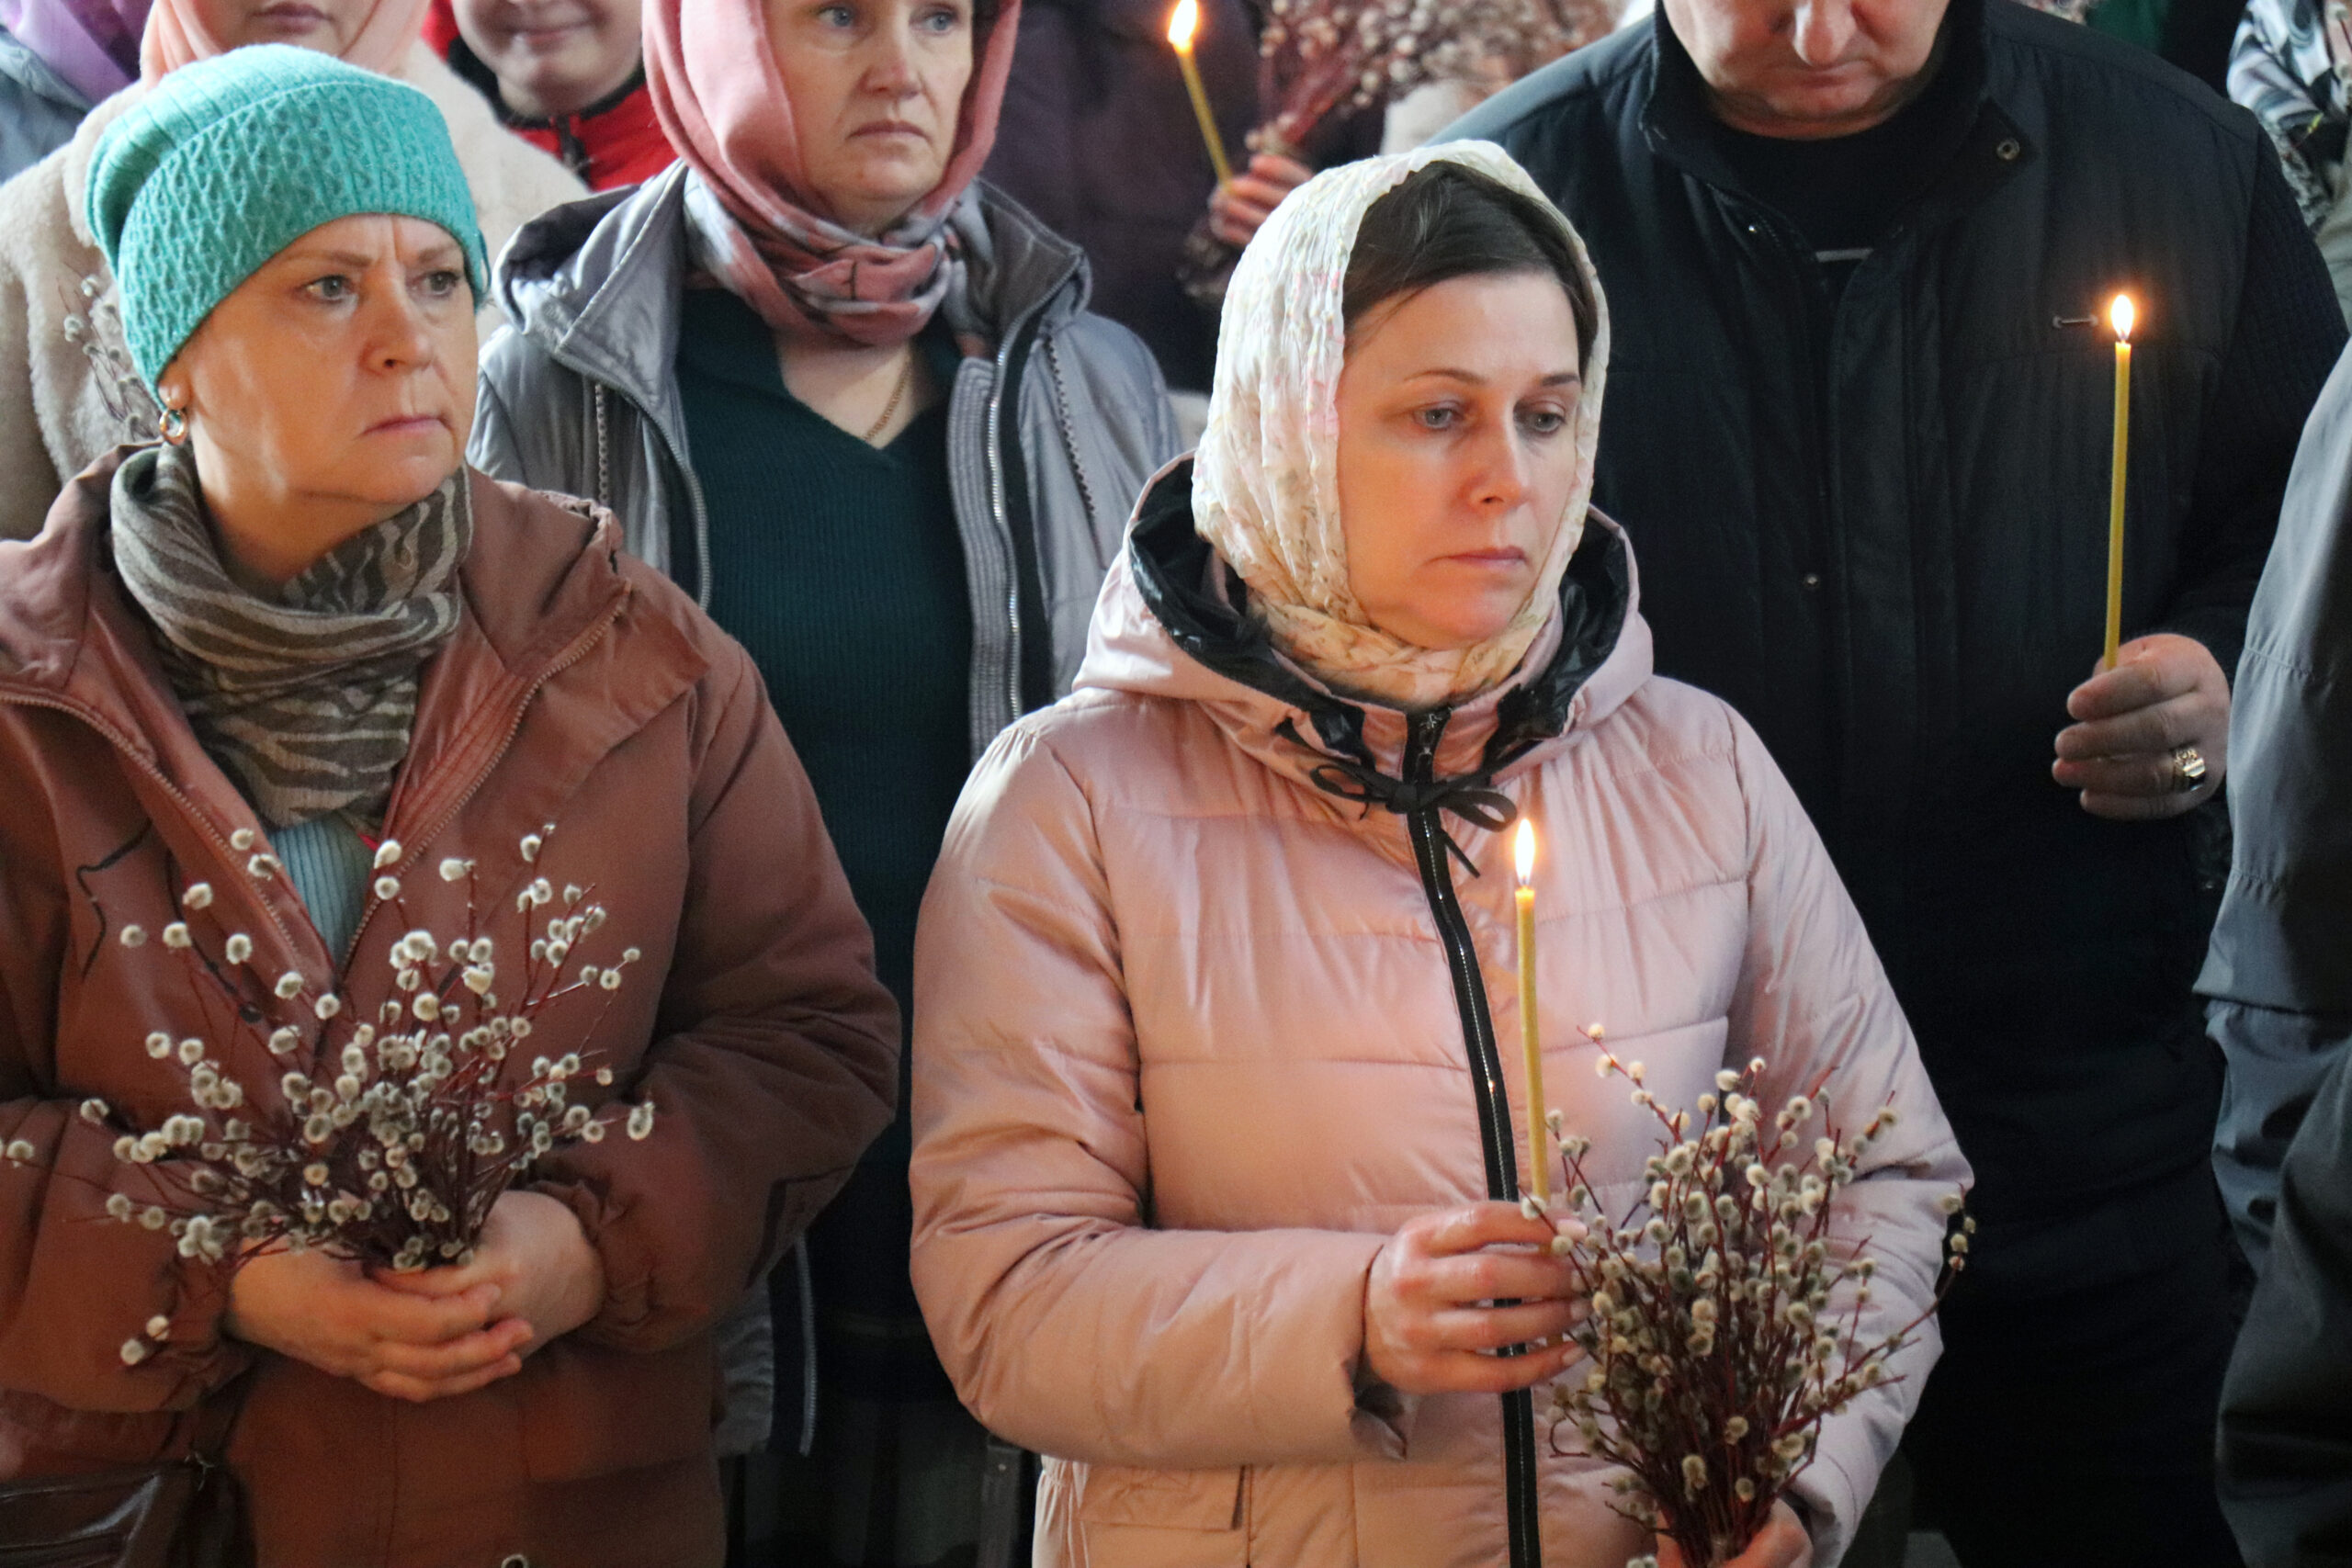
pixel 1889 554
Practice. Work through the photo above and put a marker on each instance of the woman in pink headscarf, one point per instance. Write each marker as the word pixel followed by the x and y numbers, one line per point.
pixel 853 400
pixel 375 35
pixel 67 393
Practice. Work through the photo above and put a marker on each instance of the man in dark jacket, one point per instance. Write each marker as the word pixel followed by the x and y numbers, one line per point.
pixel 1858 254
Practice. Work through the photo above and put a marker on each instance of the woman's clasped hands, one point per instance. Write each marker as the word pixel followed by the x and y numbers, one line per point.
pixel 436 1332
pixel 1432 1319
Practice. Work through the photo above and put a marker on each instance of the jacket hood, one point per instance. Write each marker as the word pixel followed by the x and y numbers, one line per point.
pixel 1169 624
pixel 596 283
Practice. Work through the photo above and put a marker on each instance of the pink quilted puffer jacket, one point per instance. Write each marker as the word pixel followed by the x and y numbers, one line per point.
pixel 1192 1036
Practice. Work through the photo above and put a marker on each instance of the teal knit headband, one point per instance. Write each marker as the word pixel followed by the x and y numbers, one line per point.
pixel 229 161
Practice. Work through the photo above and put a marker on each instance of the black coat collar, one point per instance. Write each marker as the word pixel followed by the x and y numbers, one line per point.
pixel 1983 142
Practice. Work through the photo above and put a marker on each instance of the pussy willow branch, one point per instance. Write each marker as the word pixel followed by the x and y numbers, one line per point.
pixel 1714 1351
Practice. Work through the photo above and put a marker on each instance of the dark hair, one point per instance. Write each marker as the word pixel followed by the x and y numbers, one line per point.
pixel 1445 222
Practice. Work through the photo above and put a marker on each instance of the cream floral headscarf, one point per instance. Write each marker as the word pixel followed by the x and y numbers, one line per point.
pixel 1266 480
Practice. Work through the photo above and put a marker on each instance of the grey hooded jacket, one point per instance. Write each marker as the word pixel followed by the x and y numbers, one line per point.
pixel 1051 434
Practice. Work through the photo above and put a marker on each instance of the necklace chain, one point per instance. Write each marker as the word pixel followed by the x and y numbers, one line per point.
pixel 898 396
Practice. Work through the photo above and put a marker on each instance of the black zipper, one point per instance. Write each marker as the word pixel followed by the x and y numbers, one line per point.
pixel 1031 680
pixel 1494 1124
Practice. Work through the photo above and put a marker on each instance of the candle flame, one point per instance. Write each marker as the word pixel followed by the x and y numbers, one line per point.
pixel 2122 312
pixel 1523 852
pixel 1182 23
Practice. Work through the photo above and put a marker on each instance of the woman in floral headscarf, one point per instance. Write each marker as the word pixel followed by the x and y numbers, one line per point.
pixel 2289 64
pixel 1214 1144
pixel 68 393
pixel 853 400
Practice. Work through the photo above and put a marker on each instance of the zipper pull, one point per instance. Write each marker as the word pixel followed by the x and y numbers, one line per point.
pixel 1421 759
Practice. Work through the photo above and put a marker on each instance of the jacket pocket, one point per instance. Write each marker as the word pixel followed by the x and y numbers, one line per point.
pixel 1108 1515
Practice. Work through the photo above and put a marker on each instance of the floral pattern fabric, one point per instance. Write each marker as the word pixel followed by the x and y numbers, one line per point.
pixel 2282 68
pixel 759 226
pixel 1266 484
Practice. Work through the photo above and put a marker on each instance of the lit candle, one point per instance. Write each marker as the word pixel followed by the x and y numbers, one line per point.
pixel 1181 26
pixel 1530 1033
pixel 2121 314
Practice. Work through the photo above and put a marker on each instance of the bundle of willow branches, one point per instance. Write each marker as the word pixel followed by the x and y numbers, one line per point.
pixel 1714 1347
pixel 384 1140
pixel 1321 57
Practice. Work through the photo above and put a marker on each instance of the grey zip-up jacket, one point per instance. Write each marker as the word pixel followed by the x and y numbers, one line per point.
pixel 2279 971
pixel 38 108
pixel 1051 438
pixel 1051 435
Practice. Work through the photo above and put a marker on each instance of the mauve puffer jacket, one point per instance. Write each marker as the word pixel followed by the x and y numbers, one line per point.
pixel 1190 1046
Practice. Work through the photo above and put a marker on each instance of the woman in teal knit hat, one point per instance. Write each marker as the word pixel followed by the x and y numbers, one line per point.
pixel 68 394
pixel 297 652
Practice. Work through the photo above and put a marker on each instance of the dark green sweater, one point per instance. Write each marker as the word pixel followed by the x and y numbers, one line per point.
pixel 839 567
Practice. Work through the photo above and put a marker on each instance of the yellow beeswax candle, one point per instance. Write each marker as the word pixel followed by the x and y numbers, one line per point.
pixel 1183 23
pixel 1530 1032
pixel 2121 315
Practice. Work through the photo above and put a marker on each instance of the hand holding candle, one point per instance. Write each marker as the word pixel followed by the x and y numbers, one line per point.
pixel 1182 25
pixel 2121 315
pixel 1530 1032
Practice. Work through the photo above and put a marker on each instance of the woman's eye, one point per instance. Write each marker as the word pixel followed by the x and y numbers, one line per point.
pixel 1544 422
pixel 333 289
pixel 441 284
pixel 837 16
pixel 1440 418
pixel 942 19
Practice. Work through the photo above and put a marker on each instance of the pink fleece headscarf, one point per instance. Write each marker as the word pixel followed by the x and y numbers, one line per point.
pixel 176 36
pixel 761 231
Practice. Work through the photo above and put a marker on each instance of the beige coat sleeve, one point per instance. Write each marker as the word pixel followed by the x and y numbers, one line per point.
pixel 29 480
pixel 1814 1003
pixel 1068 1322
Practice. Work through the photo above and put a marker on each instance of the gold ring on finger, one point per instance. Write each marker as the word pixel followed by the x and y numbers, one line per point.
pixel 2187 770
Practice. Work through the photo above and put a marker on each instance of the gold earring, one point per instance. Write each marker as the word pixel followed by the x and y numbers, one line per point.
pixel 173 425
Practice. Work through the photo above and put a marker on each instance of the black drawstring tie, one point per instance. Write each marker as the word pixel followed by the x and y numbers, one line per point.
pixel 1471 796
